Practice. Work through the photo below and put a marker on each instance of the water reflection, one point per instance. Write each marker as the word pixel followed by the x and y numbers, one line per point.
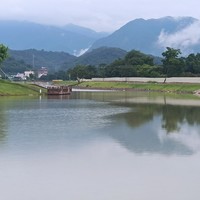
pixel 152 123
pixel 133 120
pixel 3 122
pixel 172 116
pixel 95 146
pixel 2 126
pixel 166 129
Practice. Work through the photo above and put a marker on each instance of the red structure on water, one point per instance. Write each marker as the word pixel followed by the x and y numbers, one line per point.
pixel 59 90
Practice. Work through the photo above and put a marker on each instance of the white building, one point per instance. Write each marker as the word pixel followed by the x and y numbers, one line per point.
pixel 28 73
pixel 43 71
pixel 20 76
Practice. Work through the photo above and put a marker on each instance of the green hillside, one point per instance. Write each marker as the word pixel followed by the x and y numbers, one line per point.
pixel 102 55
pixel 15 89
pixel 40 58
pixel 32 59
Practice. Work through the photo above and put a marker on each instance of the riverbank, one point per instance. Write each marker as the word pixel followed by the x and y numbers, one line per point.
pixel 8 88
pixel 189 88
pixel 15 89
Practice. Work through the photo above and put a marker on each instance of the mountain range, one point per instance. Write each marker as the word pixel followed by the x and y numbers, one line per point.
pixel 22 35
pixel 21 60
pixel 37 45
pixel 149 36
pixel 152 36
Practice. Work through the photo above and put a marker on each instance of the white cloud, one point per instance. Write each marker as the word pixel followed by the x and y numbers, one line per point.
pixel 190 138
pixel 81 52
pixel 100 15
pixel 183 39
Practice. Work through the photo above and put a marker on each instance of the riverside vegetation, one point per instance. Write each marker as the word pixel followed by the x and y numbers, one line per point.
pixel 14 89
pixel 133 63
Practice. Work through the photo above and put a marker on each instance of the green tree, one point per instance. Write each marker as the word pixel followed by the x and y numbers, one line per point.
pixel 172 63
pixel 3 53
pixel 3 56
pixel 82 71
pixel 138 58
pixel 128 66
pixel 101 70
pixel 149 71
pixel 193 63
pixel 120 71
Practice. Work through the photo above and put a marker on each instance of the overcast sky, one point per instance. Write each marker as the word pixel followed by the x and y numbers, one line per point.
pixel 100 15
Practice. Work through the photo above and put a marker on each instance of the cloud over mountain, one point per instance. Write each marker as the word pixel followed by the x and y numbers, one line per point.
pixel 183 39
pixel 152 36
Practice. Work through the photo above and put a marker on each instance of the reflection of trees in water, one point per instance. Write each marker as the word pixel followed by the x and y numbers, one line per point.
pixel 138 116
pixel 2 126
pixel 150 123
pixel 3 121
pixel 173 116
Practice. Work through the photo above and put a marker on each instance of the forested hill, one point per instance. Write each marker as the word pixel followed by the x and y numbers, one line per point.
pixel 152 36
pixel 102 55
pixel 37 59
pixel 19 61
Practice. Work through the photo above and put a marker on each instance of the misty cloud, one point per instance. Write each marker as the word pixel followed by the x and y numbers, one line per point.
pixel 80 52
pixel 100 15
pixel 183 39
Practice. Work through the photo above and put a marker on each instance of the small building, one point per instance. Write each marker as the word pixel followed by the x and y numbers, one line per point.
pixel 28 73
pixel 19 77
pixel 43 71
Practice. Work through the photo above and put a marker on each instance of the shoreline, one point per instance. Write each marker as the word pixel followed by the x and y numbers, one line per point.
pixel 177 88
pixel 17 89
pixel 129 90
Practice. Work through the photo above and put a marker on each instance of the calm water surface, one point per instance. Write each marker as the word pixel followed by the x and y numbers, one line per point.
pixel 100 146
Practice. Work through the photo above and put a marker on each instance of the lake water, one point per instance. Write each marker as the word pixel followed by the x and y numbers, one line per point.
pixel 100 146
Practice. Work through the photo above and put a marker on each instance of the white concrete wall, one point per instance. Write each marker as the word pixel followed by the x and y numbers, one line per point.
pixel 141 79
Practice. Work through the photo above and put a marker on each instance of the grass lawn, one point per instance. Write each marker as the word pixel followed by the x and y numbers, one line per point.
pixel 15 89
pixel 175 87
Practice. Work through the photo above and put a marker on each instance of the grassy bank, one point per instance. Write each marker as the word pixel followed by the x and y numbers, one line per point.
pixel 160 87
pixel 16 89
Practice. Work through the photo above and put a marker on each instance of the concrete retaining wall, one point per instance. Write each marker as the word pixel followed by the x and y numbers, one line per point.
pixel 141 79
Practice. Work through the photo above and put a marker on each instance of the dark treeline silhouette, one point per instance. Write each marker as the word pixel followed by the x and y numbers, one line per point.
pixel 138 64
pixel 133 64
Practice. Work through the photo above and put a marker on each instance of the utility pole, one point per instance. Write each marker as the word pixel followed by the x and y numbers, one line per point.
pixel 33 61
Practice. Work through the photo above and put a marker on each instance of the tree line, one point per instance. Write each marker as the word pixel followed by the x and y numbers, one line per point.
pixel 138 64
pixel 134 64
